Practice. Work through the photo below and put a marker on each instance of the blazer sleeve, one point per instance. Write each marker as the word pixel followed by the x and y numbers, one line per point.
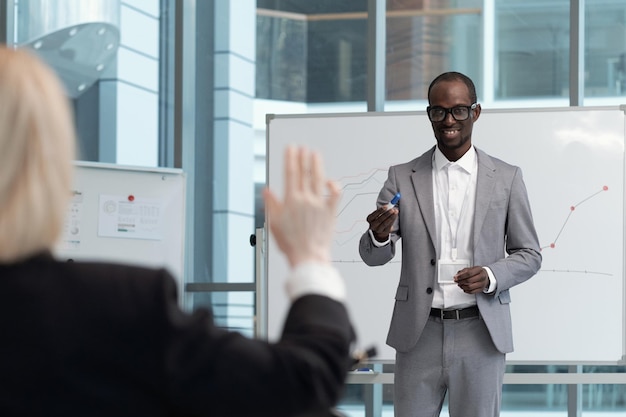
pixel 212 371
pixel 371 254
pixel 522 244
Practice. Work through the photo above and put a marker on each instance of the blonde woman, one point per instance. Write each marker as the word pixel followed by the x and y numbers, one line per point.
pixel 91 339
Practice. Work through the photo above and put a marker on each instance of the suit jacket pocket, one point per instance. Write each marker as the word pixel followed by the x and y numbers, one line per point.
pixel 504 297
pixel 402 293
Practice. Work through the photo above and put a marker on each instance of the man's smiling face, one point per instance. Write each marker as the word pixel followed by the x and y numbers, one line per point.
pixel 454 137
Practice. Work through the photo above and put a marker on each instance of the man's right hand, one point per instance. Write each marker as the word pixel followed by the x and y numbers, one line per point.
pixel 381 221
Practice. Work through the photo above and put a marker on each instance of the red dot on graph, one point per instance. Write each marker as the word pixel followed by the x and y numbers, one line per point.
pixel 572 208
pixel 605 188
pixel 131 198
pixel 552 245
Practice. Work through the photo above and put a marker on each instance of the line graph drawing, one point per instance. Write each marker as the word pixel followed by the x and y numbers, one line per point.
pixel 354 197
pixel 570 256
pixel 359 193
pixel 552 245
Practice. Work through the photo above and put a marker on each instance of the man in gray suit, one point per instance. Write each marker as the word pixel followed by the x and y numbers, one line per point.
pixel 468 237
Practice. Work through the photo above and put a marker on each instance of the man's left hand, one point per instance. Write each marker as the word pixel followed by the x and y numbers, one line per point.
pixel 472 280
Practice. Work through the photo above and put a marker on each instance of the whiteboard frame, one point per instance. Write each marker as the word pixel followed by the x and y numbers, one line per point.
pixel 622 108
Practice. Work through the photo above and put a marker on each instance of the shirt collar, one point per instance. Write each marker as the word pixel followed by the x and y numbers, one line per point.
pixel 467 161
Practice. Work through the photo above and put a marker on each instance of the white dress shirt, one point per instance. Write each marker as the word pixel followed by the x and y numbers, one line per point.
pixel 454 193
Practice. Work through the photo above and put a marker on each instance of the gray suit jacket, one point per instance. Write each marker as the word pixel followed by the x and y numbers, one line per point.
pixel 503 225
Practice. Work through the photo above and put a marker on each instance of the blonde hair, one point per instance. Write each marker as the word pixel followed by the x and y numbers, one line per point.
pixel 37 146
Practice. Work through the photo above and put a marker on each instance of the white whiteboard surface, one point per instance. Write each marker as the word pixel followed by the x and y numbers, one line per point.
pixel 126 215
pixel 572 160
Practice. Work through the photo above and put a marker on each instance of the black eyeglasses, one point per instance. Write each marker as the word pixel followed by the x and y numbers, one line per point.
pixel 459 113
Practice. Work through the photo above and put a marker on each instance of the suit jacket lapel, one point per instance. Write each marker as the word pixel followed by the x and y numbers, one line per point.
pixel 422 179
pixel 484 186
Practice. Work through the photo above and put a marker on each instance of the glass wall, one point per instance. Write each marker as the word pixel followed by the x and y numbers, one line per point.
pixel 516 51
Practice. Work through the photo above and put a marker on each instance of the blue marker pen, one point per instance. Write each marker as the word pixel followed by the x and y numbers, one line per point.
pixel 394 201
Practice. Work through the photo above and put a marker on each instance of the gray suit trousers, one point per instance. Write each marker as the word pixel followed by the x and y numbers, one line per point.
pixel 456 357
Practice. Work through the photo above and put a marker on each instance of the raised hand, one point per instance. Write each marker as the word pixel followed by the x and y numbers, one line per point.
pixel 303 224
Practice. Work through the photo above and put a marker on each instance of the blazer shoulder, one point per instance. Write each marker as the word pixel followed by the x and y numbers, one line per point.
pixel 495 163
pixel 415 163
pixel 117 278
pixel 113 269
pixel 106 290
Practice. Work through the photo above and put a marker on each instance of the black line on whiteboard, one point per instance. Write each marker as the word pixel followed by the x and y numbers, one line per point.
pixel 573 271
pixel 352 199
pixel 369 177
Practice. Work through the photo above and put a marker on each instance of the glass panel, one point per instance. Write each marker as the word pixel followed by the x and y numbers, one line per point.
pixel 426 38
pixel 313 52
pixel 534 397
pixel 605 48
pixel 112 79
pixel 337 60
pixel 532 49
pixel 604 397
pixel 280 58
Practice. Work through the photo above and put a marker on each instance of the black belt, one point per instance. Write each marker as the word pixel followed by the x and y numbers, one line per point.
pixel 463 313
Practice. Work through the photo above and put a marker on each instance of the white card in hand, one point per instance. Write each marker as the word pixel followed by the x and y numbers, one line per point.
pixel 447 269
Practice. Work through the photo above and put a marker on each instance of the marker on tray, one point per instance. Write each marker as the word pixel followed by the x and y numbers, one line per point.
pixel 394 201
pixel 362 356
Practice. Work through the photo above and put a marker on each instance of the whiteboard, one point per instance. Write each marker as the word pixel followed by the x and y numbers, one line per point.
pixel 572 160
pixel 127 215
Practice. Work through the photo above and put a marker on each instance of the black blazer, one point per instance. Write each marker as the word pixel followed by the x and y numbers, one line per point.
pixel 91 339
